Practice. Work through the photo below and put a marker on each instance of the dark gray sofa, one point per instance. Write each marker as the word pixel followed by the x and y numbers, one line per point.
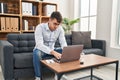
pixel 16 54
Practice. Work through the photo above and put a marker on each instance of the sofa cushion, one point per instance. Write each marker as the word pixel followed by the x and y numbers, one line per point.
pixel 23 60
pixel 93 51
pixel 84 38
pixel 22 42
pixel 68 38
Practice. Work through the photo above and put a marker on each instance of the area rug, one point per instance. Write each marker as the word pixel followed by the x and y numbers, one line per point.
pixel 88 78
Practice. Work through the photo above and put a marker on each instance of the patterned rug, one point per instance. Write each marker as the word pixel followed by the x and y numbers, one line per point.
pixel 88 78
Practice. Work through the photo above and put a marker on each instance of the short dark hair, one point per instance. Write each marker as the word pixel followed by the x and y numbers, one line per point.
pixel 57 15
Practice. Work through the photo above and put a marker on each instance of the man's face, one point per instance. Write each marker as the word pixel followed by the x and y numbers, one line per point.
pixel 53 24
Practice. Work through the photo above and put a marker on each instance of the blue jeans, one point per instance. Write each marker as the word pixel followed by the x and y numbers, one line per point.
pixel 39 55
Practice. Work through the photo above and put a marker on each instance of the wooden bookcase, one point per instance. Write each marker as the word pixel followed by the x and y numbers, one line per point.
pixel 15 15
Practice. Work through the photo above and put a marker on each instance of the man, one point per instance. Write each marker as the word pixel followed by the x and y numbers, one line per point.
pixel 46 35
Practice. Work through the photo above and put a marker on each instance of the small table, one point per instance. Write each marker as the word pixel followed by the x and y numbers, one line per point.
pixel 90 61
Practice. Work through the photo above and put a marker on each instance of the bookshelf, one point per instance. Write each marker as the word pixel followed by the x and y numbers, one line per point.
pixel 22 16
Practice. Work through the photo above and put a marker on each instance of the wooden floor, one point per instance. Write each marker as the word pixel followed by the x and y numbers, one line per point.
pixel 104 72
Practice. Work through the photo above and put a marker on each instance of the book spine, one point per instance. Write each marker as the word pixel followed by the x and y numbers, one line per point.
pixel 26 25
pixel 5 7
pixel 8 24
pixel 2 10
pixel 34 10
pixel 0 7
pixel 2 23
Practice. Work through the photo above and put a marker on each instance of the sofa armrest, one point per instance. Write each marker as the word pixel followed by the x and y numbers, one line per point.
pixel 100 44
pixel 6 59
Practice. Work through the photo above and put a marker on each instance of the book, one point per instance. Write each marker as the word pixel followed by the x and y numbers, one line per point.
pixel 8 24
pixel 24 10
pixel 34 10
pixel 25 25
pixel 0 8
pixel 1 4
pixel 29 8
pixel 3 7
pixel 14 26
pixel 2 23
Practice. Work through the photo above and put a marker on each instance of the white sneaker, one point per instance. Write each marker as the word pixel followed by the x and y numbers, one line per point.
pixel 37 78
pixel 55 77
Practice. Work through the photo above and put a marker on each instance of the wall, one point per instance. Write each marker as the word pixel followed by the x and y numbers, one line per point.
pixel 63 6
pixel 104 27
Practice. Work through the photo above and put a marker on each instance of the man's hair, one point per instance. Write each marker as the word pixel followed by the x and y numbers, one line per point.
pixel 57 16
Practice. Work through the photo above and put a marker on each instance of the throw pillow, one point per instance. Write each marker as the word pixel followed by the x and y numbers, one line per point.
pixel 79 37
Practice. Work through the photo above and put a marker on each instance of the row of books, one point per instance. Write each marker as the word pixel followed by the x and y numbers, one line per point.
pixel 3 8
pixel 9 24
pixel 26 26
pixel 9 8
pixel 29 8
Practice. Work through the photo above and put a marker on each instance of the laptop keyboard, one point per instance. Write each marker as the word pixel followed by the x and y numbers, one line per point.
pixel 56 60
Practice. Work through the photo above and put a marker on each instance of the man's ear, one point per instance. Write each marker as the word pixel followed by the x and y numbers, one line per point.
pixel 49 20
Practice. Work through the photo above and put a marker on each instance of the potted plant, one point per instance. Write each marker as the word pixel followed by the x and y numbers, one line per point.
pixel 67 24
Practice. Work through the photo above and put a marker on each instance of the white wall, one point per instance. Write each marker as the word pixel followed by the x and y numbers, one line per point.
pixel 104 27
pixel 63 6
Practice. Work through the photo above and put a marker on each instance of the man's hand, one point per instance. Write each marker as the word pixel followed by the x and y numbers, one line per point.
pixel 56 54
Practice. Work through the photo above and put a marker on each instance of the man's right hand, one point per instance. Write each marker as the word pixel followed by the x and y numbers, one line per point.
pixel 56 54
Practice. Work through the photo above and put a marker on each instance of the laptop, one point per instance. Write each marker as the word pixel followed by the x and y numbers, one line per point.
pixel 70 53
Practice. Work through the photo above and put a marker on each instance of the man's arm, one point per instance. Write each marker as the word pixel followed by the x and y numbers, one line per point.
pixel 56 54
pixel 62 39
pixel 39 40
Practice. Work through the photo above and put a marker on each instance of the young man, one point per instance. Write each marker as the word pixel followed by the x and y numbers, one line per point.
pixel 46 35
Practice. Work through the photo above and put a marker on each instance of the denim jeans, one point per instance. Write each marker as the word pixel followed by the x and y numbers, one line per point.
pixel 39 55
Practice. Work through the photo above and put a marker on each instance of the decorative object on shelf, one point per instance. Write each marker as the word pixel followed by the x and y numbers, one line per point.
pixel 67 24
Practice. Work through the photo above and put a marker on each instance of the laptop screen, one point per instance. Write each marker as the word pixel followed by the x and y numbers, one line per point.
pixel 71 53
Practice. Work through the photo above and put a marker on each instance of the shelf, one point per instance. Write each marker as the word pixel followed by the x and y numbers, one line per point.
pixel 27 31
pixel 9 32
pixel 3 38
pixel 33 1
pixel 45 17
pixel 9 0
pixel 31 16
pixel 11 15
pixel 48 3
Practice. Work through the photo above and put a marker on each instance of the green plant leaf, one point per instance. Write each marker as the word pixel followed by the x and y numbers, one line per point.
pixel 74 21
pixel 67 23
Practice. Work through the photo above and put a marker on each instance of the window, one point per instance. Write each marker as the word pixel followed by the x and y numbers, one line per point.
pixel 115 25
pixel 118 23
pixel 88 14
